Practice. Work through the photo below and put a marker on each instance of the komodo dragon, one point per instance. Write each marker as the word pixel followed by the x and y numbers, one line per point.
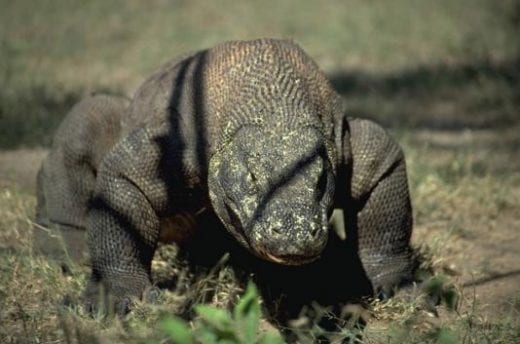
pixel 254 132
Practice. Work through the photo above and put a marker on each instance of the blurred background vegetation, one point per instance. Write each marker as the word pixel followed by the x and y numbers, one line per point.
pixel 440 64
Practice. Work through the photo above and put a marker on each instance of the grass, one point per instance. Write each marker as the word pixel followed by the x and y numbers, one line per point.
pixel 443 76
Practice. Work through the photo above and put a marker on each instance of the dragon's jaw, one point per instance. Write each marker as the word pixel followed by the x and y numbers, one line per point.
pixel 281 237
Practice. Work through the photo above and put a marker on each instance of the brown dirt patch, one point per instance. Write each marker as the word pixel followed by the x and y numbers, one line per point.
pixel 18 167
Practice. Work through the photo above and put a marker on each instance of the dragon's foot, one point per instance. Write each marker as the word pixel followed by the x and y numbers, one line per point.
pixel 116 295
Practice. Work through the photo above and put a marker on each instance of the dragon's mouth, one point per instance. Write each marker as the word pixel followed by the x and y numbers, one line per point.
pixel 257 246
pixel 289 259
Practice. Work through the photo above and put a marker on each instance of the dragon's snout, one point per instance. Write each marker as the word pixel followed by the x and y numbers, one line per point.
pixel 292 237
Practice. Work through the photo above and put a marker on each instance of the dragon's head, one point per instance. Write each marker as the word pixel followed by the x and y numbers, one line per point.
pixel 273 190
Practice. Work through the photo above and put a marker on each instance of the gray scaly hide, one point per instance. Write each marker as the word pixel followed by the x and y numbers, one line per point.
pixel 66 179
pixel 254 133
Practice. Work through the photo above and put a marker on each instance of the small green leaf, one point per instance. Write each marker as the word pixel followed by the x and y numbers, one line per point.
pixel 435 285
pixel 271 337
pixel 206 335
pixel 220 319
pixel 177 330
pixel 226 341
pixel 445 336
pixel 451 297
pixel 247 314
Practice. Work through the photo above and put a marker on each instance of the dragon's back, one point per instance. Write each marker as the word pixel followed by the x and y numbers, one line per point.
pixel 218 90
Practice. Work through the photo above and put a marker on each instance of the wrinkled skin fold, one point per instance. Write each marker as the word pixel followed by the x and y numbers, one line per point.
pixel 251 131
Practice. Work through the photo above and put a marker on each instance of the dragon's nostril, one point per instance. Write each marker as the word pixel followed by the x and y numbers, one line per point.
pixel 317 231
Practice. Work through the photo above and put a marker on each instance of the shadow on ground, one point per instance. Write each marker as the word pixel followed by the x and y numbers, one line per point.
pixel 472 95
pixel 29 116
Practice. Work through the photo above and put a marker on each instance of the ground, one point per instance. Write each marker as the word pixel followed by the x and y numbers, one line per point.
pixel 443 77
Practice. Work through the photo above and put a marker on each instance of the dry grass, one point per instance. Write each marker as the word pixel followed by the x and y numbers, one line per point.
pixel 459 209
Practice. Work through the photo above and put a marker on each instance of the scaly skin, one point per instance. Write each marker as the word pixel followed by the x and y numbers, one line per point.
pixel 66 179
pixel 254 132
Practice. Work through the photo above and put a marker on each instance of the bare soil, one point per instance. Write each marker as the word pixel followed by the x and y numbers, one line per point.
pixel 18 168
pixel 478 239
